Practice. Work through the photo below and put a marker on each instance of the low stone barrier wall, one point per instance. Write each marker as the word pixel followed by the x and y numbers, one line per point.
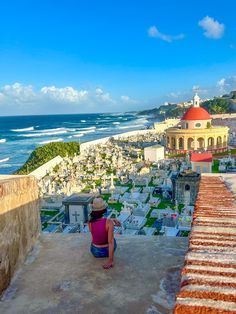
pixel 41 171
pixel 86 145
pixel 224 116
pixel 19 223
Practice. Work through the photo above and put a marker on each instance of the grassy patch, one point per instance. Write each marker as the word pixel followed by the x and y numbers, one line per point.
pixel 106 196
pixel 116 206
pixel 215 166
pixel 150 222
pixel 43 154
pixel 49 212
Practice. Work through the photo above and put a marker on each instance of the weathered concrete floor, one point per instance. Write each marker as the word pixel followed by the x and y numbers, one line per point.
pixel 61 276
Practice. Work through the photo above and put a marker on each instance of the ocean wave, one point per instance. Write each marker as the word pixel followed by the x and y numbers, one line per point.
pixel 125 127
pixel 88 131
pixel 6 165
pixel 4 160
pixel 88 128
pixel 131 126
pixel 31 128
pixel 116 114
pixel 102 129
pixel 83 121
pixel 51 130
pixel 78 135
pixel 51 141
pixel 3 140
pixel 44 134
pixel 116 123
pixel 142 120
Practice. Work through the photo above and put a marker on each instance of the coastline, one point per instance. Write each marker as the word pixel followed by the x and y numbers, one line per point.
pixel 158 128
pixel 20 136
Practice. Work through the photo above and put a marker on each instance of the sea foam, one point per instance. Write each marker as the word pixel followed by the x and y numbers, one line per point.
pixel 78 135
pixel 89 128
pixel 44 134
pixel 23 130
pixel 51 141
pixel 4 160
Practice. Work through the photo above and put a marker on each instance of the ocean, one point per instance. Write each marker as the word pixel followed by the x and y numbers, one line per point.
pixel 20 135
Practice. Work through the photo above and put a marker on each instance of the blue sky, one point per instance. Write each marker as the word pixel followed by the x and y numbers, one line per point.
pixel 95 56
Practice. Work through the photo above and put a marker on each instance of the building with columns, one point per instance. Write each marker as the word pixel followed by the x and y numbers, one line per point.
pixel 196 133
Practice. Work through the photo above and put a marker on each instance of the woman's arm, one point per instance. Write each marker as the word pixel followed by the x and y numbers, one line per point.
pixel 110 262
pixel 116 222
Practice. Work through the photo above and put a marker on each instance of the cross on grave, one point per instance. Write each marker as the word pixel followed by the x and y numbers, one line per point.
pixel 76 215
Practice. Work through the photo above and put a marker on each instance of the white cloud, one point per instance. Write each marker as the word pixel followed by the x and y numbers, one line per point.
pixel 102 96
pixel 155 33
pixel 127 100
pixel 24 99
pixel 175 94
pixel 199 89
pixel 213 29
pixel 226 85
pixel 65 94
pixel 17 93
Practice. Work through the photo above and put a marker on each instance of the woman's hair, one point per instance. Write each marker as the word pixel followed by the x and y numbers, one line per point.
pixel 94 215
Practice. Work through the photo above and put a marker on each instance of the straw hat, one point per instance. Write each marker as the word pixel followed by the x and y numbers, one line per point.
pixel 98 204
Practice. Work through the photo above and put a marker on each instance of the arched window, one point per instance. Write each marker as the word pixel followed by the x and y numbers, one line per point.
pixel 210 142
pixel 197 125
pixel 187 187
pixel 201 143
pixel 219 141
pixel 190 143
pixel 181 143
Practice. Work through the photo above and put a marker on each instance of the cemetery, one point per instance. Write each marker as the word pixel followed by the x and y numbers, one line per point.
pixel 139 193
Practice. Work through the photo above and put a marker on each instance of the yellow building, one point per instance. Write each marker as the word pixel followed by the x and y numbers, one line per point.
pixel 195 132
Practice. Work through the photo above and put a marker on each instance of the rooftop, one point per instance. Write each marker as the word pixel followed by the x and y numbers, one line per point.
pixel 61 276
pixel 196 113
pixel 202 157
pixel 78 199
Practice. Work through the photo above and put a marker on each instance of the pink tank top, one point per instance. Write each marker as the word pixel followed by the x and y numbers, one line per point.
pixel 99 232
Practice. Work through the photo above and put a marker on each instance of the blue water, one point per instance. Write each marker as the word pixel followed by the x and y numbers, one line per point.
pixel 20 135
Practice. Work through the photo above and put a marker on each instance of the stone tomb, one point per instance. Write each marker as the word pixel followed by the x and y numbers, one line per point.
pixel 77 208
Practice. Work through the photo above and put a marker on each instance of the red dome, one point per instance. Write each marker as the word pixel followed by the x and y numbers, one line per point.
pixel 196 113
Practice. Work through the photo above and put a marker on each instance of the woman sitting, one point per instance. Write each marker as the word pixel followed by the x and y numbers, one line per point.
pixel 102 230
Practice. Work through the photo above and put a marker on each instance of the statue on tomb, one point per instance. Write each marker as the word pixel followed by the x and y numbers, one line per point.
pixel 94 187
pixel 112 187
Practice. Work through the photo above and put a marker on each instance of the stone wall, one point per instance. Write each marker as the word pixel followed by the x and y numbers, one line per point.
pixel 84 146
pixel 41 171
pixel 19 223
pixel 224 116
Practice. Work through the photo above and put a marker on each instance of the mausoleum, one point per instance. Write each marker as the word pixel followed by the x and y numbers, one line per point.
pixel 196 133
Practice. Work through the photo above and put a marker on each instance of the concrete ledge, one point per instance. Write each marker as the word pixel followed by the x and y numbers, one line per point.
pixel 61 276
pixel 19 223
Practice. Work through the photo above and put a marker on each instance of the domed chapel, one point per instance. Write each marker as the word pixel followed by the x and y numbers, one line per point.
pixel 196 133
